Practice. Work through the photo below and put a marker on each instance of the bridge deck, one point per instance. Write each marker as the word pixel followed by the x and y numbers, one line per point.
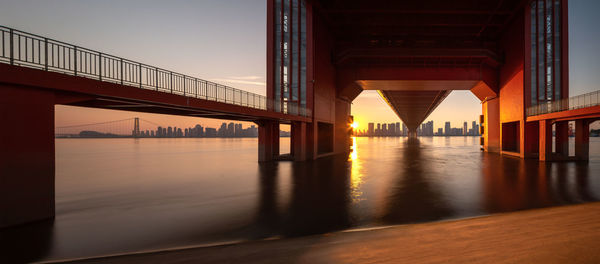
pixel 79 91
pixel 591 112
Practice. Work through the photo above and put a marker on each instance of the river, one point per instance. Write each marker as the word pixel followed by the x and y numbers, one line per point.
pixel 126 195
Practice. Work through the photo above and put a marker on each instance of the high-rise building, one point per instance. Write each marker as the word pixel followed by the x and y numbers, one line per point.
pixel 238 130
pixel 465 129
pixel 230 130
pixel 222 132
pixel 447 130
pixel 371 131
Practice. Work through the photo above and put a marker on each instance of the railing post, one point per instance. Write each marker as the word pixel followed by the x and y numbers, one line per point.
pixel 100 66
pixel 156 80
pixel 140 76
pixel 171 77
pixel 183 85
pixel 12 53
pixel 46 54
pixel 121 59
pixel 75 60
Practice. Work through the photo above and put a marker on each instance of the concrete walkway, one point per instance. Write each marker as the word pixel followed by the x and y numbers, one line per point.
pixel 568 234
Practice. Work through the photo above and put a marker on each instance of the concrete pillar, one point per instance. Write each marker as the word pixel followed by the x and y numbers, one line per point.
pixel 491 125
pixel 311 140
pixel 561 138
pixel 531 139
pixel 582 139
pixel 299 141
pixel 268 140
pixel 545 137
pixel 412 133
pixel 26 155
pixel 342 129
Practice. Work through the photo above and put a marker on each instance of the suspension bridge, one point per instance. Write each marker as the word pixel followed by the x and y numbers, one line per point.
pixel 130 127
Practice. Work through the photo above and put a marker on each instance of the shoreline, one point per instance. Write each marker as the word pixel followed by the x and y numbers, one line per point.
pixel 328 245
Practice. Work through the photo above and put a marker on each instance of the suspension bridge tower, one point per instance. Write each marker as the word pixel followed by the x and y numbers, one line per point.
pixel 136 127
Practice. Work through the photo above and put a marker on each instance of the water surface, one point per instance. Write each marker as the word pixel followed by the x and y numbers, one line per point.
pixel 123 195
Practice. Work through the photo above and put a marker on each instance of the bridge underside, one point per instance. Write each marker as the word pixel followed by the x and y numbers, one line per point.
pixel 416 53
pixel 414 106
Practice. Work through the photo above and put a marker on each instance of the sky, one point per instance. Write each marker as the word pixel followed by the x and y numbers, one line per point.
pixel 225 41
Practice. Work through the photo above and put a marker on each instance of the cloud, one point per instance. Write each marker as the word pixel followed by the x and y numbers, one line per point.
pixel 251 79
pixel 240 81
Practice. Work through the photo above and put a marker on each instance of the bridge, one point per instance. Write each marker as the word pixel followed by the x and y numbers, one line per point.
pixel 511 54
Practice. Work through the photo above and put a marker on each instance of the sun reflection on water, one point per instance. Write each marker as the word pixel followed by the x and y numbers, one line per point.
pixel 356 176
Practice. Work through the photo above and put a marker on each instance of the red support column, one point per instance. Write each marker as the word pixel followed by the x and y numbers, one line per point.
pixel 26 155
pixel 531 139
pixel 491 113
pixel 582 139
pixel 561 138
pixel 545 140
pixel 299 141
pixel 412 133
pixel 268 140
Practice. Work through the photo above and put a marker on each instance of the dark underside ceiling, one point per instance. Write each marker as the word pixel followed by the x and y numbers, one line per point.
pixel 418 24
pixel 416 34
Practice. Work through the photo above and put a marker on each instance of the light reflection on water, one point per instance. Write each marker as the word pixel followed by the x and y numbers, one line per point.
pixel 122 195
pixel 356 176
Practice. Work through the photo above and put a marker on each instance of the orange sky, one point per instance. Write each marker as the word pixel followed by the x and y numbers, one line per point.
pixel 226 44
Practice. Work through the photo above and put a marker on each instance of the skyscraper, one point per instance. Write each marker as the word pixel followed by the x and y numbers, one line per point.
pixel 371 130
pixel 465 129
pixel 447 129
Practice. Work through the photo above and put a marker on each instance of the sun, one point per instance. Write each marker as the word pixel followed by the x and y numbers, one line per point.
pixel 354 125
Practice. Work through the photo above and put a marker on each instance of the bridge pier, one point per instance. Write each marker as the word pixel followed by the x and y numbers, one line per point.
pixel 582 139
pixel 412 133
pixel 545 140
pixel 26 155
pixel 561 139
pixel 268 140
pixel 299 141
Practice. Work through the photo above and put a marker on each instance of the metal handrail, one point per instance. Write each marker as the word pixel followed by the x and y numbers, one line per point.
pixel 571 103
pixel 34 51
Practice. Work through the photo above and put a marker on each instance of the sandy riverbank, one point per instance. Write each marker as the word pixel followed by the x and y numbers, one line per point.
pixel 566 234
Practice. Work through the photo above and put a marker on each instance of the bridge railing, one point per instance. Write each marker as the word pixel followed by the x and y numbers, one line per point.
pixel 571 103
pixel 30 50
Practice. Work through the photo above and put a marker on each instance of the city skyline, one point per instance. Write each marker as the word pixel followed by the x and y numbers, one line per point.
pixel 240 66
pixel 226 130
pixel 395 129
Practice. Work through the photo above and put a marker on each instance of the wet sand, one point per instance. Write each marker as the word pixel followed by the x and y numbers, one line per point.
pixel 566 234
